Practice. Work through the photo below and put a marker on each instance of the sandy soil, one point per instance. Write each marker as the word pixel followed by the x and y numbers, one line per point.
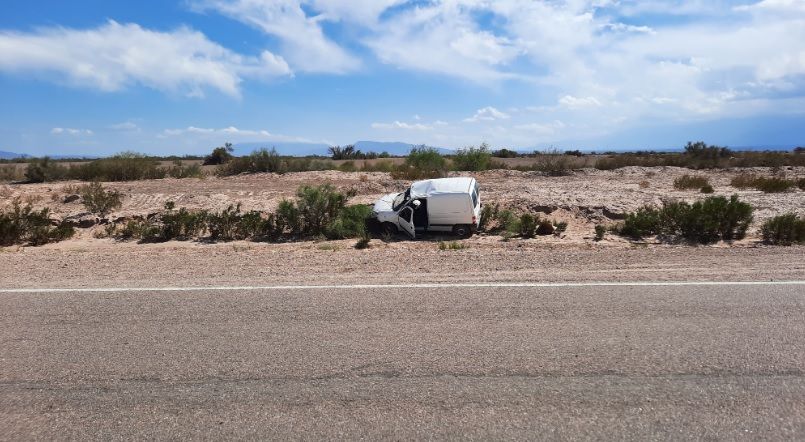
pixel 586 198
pixel 583 199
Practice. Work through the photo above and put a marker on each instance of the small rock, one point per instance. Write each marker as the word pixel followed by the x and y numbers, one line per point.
pixel 70 198
pixel 82 220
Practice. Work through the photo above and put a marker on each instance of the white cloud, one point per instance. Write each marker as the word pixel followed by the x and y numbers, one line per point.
pixel 402 125
pixel 488 113
pixel 115 56
pixel 303 42
pixel 230 133
pixel 572 102
pixel 126 126
pixel 70 131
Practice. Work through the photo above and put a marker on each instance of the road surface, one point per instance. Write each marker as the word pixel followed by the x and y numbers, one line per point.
pixel 548 362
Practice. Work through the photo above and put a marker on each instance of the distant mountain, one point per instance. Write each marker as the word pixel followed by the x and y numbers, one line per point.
pixel 11 155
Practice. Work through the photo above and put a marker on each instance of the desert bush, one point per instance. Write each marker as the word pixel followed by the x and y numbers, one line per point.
pixel 772 184
pixel 182 224
pixel 98 200
pixel 527 225
pixel 706 221
pixel 219 155
pixel 554 163
pixel 423 162
pixel 347 166
pixel 784 230
pixel 560 227
pixel 289 218
pixel 505 153
pixel 600 231
pixel 350 223
pixel 44 170
pixel 363 241
pixel 259 161
pixel 225 225
pixel 380 166
pixel 318 207
pixel 801 183
pixel 180 170
pixel 707 188
pixel 686 182
pixel 126 166
pixel 488 214
pixel 473 158
pixel 10 173
pixel 452 245
pixel 24 225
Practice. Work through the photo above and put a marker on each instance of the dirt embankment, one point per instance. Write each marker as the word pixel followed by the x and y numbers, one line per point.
pixel 583 199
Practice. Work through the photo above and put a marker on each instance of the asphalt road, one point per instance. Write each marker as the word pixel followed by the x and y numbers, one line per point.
pixel 634 363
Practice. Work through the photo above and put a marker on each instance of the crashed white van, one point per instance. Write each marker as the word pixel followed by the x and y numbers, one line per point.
pixel 439 205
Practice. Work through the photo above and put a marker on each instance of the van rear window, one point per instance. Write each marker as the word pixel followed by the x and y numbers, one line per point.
pixel 475 196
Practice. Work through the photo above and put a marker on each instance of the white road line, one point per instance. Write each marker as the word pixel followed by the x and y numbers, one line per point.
pixel 404 286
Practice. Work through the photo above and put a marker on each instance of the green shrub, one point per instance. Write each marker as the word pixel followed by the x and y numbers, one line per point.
pixel 554 163
pixel 98 200
pixel 600 231
pixel 505 153
pixel 801 183
pixel 345 153
pixel 24 225
pixel 784 230
pixel 44 170
pixel 644 222
pixel 707 189
pixel 318 207
pixel 423 162
pixel 707 221
pixel 350 222
pixel 179 170
pixel 259 161
pixel 126 166
pixel 560 227
pixel 182 224
pixel 687 182
pixel 225 225
pixel 772 184
pixel 473 158
pixel 363 241
pixel 528 225
pixel 289 218
pixel 219 155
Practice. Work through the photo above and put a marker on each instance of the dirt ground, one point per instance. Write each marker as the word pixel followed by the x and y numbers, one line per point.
pixel 583 199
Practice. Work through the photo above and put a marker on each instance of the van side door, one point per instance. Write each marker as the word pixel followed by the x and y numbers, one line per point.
pixel 406 221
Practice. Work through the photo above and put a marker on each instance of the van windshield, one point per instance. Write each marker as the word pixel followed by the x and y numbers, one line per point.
pixel 400 199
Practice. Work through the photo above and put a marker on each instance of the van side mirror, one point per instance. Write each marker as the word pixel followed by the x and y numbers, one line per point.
pixel 416 203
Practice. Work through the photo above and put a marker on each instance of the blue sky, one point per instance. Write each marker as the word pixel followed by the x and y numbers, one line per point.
pixel 160 76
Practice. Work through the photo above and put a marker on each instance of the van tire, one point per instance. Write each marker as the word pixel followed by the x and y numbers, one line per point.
pixel 462 230
pixel 389 228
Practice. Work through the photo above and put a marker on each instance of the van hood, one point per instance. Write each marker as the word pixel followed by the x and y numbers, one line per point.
pixel 384 204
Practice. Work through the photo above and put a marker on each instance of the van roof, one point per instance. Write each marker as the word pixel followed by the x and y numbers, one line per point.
pixel 426 188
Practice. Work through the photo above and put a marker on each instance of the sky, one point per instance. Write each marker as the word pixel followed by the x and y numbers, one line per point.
pixel 94 77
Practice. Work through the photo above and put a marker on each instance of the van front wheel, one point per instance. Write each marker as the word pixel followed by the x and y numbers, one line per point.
pixel 462 230
pixel 389 228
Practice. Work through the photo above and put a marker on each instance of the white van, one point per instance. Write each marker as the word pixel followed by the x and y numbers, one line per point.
pixel 440 205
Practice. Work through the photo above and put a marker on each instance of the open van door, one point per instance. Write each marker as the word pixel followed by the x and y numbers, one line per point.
pixel 406 221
